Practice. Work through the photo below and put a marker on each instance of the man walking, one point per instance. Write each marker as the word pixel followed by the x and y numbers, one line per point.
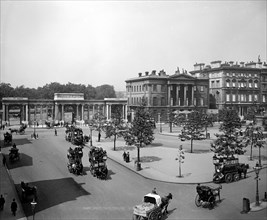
pixel 14 207
pixel 2 202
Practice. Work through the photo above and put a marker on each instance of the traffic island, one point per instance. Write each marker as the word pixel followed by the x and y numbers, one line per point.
pixel 255 208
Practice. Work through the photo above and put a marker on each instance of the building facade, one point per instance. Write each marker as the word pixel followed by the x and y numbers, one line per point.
pixel 64 107
pixel 164 93
pixel 234 85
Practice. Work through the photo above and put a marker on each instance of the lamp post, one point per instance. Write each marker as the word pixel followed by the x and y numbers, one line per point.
pixel 34 134
pixel 180 159
pixel 91 137
pixel 257 169
pixel 33 204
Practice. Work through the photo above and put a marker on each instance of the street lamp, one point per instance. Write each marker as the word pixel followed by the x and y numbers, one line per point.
pixel 33 204
pixel 34 134
pixel 257 169
pixel 159 119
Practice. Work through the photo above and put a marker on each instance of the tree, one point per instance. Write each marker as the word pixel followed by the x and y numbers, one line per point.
pixel 193 128
pixel 140 131
pixel 230 142
pixel 98 123
pixel 255 137
pixel 105 91
pixel 172 119
pixel 116 126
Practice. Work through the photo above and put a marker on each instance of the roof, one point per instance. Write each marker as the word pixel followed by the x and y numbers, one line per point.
pixel 156 196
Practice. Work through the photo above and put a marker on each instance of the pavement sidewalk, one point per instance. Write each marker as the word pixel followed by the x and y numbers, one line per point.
pixel 7 189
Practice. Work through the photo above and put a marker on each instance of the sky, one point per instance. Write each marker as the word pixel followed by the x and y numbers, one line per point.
pixel 108 42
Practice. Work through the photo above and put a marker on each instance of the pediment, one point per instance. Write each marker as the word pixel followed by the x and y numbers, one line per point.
pixel 182 77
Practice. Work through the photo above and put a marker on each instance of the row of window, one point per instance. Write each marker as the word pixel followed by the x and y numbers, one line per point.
pixel 243 97
pixel 247 75
pixel 242 84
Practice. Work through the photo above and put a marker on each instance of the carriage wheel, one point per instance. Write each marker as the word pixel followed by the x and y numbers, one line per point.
pixel 160 215
pixel 153 215
pixel 236 177
pixel 197 201
pixel 211 202
pixel 228 178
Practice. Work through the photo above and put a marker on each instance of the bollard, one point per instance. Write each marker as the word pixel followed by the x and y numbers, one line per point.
pixel 246 206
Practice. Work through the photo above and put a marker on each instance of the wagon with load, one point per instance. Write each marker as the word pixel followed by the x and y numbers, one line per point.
pixel 75 160
pixel 229 170
pixel 97 159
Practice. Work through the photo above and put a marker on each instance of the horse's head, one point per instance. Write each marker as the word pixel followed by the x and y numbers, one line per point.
pixel 169 196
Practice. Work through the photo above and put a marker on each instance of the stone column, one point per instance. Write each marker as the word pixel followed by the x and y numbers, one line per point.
pixel 46 110
pixel 62 112
pixel 7 114
pixel 93 110
pixel 169 95
pixel 56 111
pixel 27 113
pixel 107 110
pixel 185 89
pixel 125 113
pixel 193 90
pixel 77 111
pixel 82 110
pixel 109 114
pixel 177 95
pixel 41 114
pixel 53 113
pixel 4 113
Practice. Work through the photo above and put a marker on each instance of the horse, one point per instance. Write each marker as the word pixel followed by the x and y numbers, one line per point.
pixel 165 202
pixel 12 130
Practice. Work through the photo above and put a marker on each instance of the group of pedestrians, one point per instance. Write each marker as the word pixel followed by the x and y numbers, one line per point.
pixel 13 206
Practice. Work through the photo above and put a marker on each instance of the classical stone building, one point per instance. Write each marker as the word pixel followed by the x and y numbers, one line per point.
pixel 164 93
pixel 235 85
pixel 64 107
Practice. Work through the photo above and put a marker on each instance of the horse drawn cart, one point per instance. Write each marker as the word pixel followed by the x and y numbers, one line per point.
pixel 75 135
pixel 153 207
pixel 75 160
pixel 97 160
pixel 28 193
pixel 206 196
pixel 7 138
pixel 14 154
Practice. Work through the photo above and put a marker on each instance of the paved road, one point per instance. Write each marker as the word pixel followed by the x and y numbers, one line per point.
pixel 62 195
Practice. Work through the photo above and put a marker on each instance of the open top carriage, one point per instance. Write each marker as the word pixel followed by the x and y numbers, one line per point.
pixel 97 159
pixel 153 207
pixel 206 195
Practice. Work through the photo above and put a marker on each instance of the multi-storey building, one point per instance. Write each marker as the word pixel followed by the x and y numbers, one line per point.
pixel 164 93
pixel 236 86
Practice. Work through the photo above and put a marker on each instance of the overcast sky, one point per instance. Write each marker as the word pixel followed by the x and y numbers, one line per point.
pixel 107 42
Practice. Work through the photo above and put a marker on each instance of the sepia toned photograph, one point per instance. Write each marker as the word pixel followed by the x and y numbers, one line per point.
pixel 133 110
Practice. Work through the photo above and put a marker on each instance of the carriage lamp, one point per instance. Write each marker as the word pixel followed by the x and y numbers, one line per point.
pixel 33 204
pixel 257 169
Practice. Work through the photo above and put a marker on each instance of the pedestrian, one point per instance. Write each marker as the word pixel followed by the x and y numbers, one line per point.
pixel 128 157
pixel 99 136
pixel 4 160
pixel 154 191
pixel 14 207
pixel 55 132
pixel 2 202
pixel 124 156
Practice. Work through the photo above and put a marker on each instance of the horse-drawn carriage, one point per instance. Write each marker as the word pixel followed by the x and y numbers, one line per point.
pixel 20 130
pixel 229 169
pixel 97 160
pixel 206 195
pixel 28 193
pixel 75 135
pixel 7 138
pixel 14 154
pixel 75 160
pixel 153 207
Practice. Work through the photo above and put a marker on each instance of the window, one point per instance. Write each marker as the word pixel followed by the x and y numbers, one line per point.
pixel 154 88
pixel 201 88
pixel 227 97
pixel 233 97
pixel 250 84
pixel 227 84
pixel 242 97
pixel 233 83
pixel 201 101
pixel 155 101
pixel 218 83
pixel 212 84
pixel 263 98
pixel 250 98
pixel 256 84
pixel 255 97
pixel 162 101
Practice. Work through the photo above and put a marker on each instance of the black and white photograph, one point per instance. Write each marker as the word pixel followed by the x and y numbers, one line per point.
pixel 133 110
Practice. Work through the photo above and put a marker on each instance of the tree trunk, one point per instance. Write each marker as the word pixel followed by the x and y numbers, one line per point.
pixel 191 145
pixel 170 127
pixel 138 153
pixel 251 151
